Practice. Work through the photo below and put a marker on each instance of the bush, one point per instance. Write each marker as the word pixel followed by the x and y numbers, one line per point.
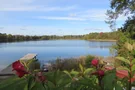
pixel 69 63
pixel 65 64
pixel 88 60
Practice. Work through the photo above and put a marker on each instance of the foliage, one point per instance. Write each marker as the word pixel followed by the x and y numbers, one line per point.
pixel 96 77
pixel 12 38
pixel 129 27
pixel 127 64
pixel 120 7
pixel 88 60
pixel 70 63
pixel 83 79
pixel 102 36
pixel 65 64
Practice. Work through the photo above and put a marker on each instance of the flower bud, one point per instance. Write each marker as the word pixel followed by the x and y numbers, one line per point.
pixel 94 62
pixel 40 77
pixel 100 72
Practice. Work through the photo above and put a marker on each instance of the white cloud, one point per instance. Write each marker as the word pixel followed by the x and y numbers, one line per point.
pixel 14 3
pixel 42 30
pixel 30 5
pixel 72 14
pixel 95 29
pixel 88 15
pixel 95 15
pixel 36 8
pixel 79 23
pixel 61 18
pixel 92 29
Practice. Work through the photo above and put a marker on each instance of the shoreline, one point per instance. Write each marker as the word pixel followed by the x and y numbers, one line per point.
pixel 102 40
pixel 98 40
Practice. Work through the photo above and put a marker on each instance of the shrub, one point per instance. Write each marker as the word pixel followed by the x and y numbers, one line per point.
pixel 88 60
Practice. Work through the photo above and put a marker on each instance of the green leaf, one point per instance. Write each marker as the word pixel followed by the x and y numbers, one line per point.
pixel 68 73
pixel 123 59
pixel 38 86
pixel 133 61
pixel 123 68
pixel 118 87
pixel 13 83
pixel 58 80
pixel 30 82
pixel 88 70
pixel 133 67
pixel 74 72
pixel 86 83
pixel 81 68
pixel 128 46
pixel 109 80
pixel 26 87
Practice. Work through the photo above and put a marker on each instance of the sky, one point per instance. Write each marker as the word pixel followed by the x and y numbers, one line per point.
pixel 54 17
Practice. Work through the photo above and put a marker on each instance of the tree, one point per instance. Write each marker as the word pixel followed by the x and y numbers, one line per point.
pixel 120 7
pixel 129 27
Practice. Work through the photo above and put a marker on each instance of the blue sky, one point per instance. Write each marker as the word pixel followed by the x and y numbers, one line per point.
pixel 54 17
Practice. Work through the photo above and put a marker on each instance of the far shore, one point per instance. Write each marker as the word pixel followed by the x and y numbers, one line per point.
pixel 103 40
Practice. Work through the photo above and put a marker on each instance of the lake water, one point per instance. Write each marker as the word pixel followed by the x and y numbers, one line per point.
pixel 51 49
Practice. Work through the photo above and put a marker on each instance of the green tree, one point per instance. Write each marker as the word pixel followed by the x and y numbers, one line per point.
pixel 120 7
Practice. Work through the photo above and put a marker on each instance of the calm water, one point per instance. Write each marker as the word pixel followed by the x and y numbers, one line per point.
pixel 51 49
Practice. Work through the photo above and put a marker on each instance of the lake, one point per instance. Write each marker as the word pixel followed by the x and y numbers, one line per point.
pixel 52 49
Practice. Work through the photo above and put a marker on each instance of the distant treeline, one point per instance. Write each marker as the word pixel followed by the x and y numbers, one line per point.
pixel 11 38
pixel 106 36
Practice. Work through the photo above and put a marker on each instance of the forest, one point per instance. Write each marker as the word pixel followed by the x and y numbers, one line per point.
pixel 102 35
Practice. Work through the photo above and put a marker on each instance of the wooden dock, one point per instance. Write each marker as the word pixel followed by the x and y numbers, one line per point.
pixel 7 72
pixel 29 57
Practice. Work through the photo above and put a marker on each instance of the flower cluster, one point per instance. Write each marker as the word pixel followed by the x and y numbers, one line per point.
pixel 19 68
pixel 21 71
pixel 98 72
pixel 40 77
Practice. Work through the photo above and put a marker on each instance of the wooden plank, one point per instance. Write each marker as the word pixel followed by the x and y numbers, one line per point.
pixel 8 70
pixel 28 57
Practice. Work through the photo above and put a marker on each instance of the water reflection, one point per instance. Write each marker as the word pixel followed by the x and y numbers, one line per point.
pixel 51 49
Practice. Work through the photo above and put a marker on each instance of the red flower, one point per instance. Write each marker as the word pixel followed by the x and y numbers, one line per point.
pixel 101 33
pixel 94 62
pixel 21 73
pixel 19 68
pixel 122 73
pixel 41 77
pixel 101 73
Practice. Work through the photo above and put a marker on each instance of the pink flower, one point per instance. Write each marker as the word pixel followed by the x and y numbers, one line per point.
pixel 101 73
pixel 94 62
